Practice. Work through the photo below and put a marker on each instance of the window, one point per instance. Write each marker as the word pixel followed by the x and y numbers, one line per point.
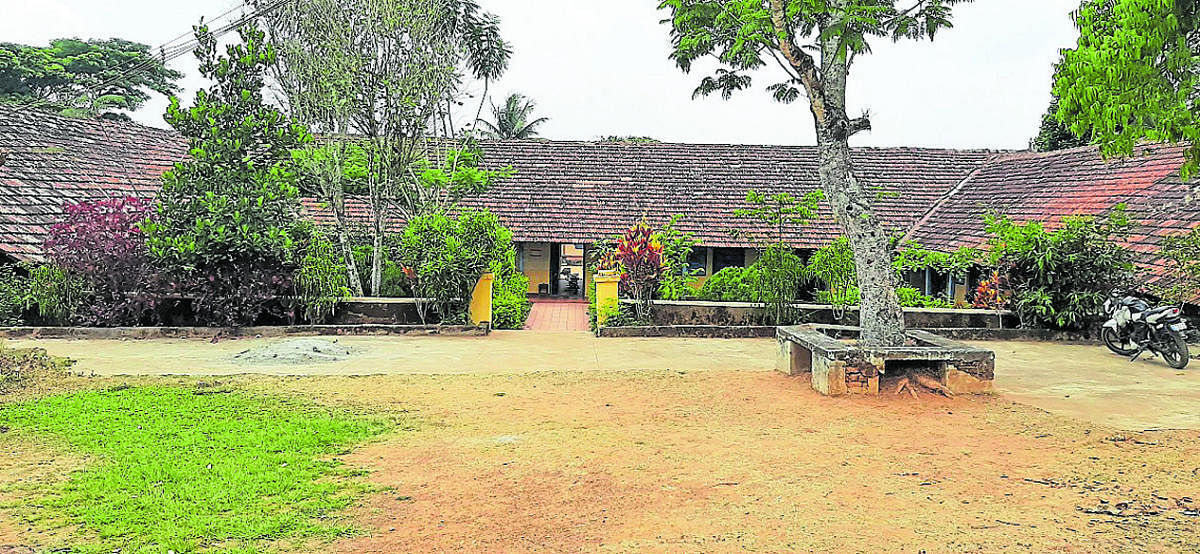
pixel 728 257
pixel 698 262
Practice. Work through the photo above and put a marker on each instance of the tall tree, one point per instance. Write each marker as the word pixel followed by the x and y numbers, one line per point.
pixel 226 221
pixel 1054 135
pixel 814 43
pixel 385 70
pixel 94 78
pixel 1134 75
pixel 511 120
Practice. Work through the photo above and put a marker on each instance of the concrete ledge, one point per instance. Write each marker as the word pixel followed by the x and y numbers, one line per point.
pixel 147 333
pixel 766 331
pixel 741 314
pixel 1041 335
pixel 689 331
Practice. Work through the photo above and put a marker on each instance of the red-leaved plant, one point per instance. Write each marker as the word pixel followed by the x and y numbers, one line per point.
pixel 101 243
pixel 993 292
pixel 640 256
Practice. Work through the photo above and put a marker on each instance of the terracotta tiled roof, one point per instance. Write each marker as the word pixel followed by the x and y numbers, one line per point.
pixel 54 160
pixel 1048 186
pixel 583 191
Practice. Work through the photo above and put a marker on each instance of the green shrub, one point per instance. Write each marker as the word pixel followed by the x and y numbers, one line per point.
pixel 394 283
pixel 621 315
pixel 732 284
pixel 913 298
pixel 57 294
pixel 510 300
pixel 780 276
pixel 14 293
pixel 447 255
pixel 320 280
pixel 678 277
pixel 1061 278
pixel 833 267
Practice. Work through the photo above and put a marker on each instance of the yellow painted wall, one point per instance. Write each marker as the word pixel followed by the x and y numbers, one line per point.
pixel 537 264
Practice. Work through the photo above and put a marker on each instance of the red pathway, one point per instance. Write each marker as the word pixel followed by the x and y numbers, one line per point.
pixel 558 315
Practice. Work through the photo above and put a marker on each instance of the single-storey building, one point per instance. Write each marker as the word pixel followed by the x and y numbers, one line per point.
pixel 567 195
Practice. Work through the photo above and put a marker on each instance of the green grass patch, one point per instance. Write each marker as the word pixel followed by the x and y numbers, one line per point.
pixel 178 469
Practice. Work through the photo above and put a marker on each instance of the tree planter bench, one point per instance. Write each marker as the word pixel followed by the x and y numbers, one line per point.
pixel 839 366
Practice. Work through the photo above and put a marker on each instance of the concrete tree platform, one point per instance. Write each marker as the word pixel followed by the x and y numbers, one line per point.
pixel 839 366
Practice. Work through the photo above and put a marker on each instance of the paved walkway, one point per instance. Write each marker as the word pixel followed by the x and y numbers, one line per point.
pixel 1079 381
pixel 558 315
pixel 1088 382
pixel 500 352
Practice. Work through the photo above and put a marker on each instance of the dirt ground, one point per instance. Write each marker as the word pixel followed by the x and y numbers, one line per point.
pixel 682 461
pixel 1082 381
pixel 722 461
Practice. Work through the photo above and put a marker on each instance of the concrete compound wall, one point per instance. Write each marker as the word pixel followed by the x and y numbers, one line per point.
pixel 694 313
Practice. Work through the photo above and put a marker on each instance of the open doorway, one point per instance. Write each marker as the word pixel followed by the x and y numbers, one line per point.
pixel 567 270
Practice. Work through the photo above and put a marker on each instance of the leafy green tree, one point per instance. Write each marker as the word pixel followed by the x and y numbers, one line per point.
pixel 1181 254
pixel 386 70
pixel 227 221
pixel 779 270
pixel 1054 135
pixel 513 119
pixel 1133 75
pixel 814 43
pixel 94 78
pixel 328 171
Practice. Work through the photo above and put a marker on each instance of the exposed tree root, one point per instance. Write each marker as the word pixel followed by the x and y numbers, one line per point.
pixel 914 380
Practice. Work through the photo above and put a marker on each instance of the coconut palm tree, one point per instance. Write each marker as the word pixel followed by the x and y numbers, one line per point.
pixel 512 119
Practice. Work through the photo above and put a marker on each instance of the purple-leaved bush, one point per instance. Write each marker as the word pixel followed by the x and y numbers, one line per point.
pixel 101 243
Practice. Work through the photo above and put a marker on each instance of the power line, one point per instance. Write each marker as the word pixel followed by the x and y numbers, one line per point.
pixel 175 51
pixel 138 64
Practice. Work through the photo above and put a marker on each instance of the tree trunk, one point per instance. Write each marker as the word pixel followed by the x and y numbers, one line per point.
pixel 377 259
pixel 880 314
pixel 352 277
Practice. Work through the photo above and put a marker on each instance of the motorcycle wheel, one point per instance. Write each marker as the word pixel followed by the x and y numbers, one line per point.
pixel 1175 351
pixel 1114 342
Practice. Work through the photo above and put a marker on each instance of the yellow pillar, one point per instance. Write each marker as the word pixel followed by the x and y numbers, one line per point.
pixel 481 300
pixel 607 286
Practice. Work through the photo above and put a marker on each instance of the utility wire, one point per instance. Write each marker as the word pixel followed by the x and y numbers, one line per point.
pixel 175 52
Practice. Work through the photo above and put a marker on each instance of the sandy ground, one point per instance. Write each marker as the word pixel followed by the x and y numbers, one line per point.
pixel 1083 381
pixel 716 461
pixel 725 461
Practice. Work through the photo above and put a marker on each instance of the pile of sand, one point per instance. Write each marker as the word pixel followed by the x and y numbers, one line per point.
pixel 296 351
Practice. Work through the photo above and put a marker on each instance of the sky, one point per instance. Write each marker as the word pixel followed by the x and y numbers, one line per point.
pixel 602 68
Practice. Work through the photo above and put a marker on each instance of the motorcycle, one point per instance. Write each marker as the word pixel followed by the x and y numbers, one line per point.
pixel 1134 328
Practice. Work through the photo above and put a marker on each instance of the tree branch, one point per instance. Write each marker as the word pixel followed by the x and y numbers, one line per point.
pixel 858 125
pixel 803 64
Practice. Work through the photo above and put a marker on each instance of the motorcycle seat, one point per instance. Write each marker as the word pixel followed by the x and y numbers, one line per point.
pixel 1153 316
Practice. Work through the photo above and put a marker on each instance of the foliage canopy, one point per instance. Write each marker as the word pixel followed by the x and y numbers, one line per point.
pixel 77 78
pixel 1133 75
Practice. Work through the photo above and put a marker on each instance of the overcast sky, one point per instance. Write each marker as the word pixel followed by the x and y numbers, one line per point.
pixel 601 68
